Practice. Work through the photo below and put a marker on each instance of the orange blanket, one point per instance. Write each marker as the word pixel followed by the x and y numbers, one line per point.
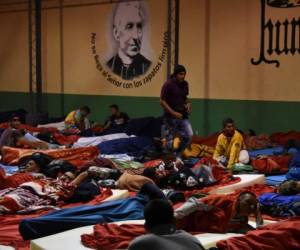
pixel 76 156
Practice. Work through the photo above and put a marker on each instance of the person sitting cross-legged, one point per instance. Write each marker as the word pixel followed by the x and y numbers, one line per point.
pixel 230 148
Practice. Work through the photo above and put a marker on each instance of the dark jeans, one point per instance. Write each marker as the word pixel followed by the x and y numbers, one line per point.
pixel 183 128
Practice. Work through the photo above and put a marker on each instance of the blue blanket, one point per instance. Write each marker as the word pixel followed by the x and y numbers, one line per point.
pixel 294 168
pixel 9 169
pixel 135 146
pixel 271 151
pixel 69 218
pixel 275 180
pixel 266 151
pixel 280 205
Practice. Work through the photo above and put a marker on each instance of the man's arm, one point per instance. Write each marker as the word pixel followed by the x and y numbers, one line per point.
pixel 188 106
pixel 235 151
pixel 80 178
pixel 165 105
pixel 107 125
pixel 219 149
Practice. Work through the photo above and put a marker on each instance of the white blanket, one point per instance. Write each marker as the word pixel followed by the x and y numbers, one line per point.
pixel 96 140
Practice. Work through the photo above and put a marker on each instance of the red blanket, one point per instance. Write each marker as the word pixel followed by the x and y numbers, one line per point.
pixel 111 236
pixel 282 138
pixel 272 164
pixel 278 236
pixel 76 156
pixel 30 128
pixel 9 229
pixel 217 219
pixel 13 181
pixel 65 139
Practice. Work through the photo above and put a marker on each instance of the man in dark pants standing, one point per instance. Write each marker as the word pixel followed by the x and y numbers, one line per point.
pixel 176 107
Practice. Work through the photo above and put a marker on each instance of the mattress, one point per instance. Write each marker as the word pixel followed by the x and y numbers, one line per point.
pixel 71 239
pixel 246 181
pixel 117 194
pixel 6 248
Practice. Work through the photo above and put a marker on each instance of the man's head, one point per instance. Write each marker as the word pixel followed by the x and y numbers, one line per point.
pixel 179 73
pixel 67 177
pixel 36 163
pixel 85 111
pixel 114 109
pixel 289 187
pixel 159 215
pixel 228 127
pixel 129 19
pixel 31 167
pixel 247 204
pixel 15 121
pixel 154 173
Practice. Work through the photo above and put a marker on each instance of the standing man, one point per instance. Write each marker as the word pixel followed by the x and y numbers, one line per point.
pixel 176 107
pixel 128 24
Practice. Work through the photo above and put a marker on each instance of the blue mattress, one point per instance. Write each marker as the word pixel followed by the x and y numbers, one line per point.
pixel 271 151
pixel 275 180
pixel 266 151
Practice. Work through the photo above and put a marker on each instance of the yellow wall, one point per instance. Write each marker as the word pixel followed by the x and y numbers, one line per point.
pixel 217 41
pixel 14 52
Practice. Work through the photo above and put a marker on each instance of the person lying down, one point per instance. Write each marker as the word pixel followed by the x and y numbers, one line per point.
pixel 217 214
pixel 36 166
pixel 47 193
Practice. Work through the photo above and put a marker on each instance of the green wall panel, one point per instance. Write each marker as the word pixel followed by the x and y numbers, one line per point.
pixel 207 115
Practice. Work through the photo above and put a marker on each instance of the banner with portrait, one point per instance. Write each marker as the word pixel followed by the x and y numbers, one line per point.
pixel 125 48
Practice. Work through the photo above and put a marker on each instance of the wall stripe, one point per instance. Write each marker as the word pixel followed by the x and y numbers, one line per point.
pixel 262 116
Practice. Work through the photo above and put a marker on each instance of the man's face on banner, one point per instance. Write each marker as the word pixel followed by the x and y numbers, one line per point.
pixel 128 30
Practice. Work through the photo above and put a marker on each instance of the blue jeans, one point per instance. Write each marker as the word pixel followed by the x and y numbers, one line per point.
pixel 183 128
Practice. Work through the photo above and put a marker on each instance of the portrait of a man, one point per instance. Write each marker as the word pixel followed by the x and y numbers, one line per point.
pixel 128 27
